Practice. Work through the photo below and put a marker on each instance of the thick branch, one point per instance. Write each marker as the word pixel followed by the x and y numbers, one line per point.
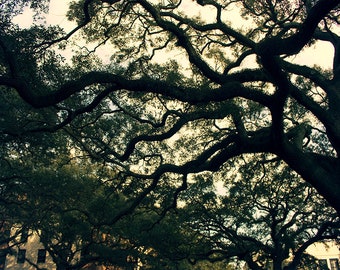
pixel 186 94
pixel 294 43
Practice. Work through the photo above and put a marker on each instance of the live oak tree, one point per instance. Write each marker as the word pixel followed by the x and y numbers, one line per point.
pixel 207 98
pixel 158 94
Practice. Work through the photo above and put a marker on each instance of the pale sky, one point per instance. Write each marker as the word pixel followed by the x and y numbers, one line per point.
pixel 56 16
pixel 320 53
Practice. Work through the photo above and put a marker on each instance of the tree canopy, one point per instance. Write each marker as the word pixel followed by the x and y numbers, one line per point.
pixel 263 217
pixel 151 94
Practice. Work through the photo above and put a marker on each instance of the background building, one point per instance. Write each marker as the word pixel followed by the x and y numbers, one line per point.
pixel 27 252
pixel 327 253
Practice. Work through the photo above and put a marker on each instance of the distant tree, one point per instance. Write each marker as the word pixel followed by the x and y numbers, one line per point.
pixel 71 210
pixel 20 157
pixel 165 243
pixel 265 216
